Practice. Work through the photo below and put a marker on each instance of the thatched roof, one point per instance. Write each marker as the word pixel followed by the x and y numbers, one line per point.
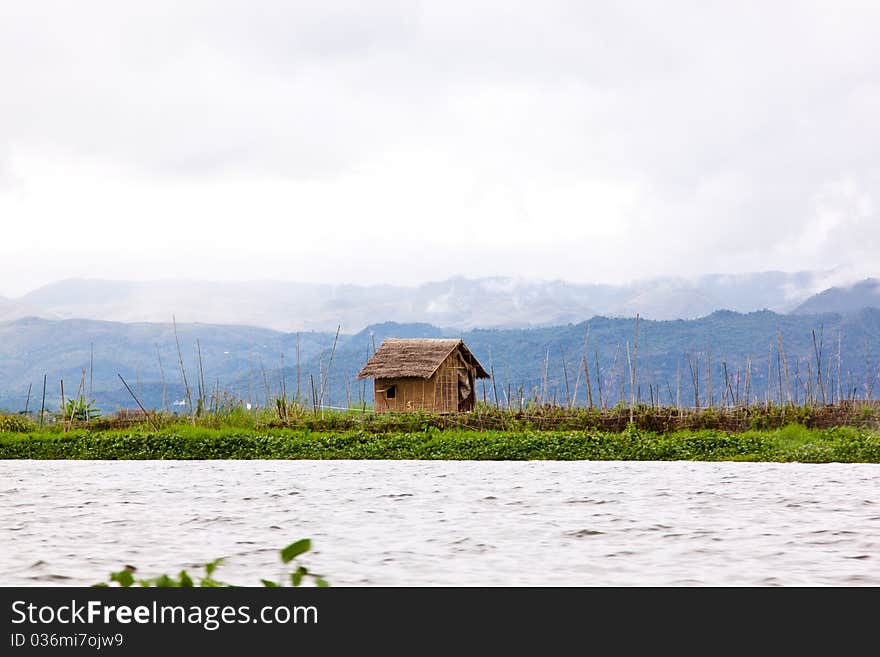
pixel 399 358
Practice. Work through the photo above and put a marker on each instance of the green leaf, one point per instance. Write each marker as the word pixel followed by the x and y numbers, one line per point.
pixel 100 585
pixel 185 579
pixel 211 566
pixel 163 581
pixel 293 550
pixel 297 576
pixel 322 583
pixel 124 577
pixel 268 583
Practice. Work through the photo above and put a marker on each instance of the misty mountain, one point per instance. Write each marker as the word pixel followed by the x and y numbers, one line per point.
pixel 843 299
pixel 10 310
pixel 458 302
pixel 255 364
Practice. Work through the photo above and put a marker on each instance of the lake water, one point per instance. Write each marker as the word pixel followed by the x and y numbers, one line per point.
pixel 403 523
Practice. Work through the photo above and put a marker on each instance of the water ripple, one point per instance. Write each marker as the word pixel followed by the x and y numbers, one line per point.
pixel 393 523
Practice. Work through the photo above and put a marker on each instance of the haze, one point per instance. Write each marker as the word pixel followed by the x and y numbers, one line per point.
pixel 403 142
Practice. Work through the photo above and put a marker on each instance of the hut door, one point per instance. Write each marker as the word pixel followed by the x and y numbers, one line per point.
pixel 465 390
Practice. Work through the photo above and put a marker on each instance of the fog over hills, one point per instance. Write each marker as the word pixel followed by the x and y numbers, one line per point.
pixel 10 310
pixel 457 302
pixel 843 299
pixel 256 364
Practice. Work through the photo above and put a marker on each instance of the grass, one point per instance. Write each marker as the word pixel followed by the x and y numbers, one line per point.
pixel 531 417
pixel 185 441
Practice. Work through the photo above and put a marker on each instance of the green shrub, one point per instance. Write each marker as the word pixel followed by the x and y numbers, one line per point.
pixel 15 423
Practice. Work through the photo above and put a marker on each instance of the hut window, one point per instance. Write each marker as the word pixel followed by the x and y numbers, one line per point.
pixel 391 392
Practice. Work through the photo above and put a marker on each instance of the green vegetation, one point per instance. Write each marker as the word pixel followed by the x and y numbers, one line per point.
pixel 184 441
pixel 657 419
pixel 126 576
pixel 80 410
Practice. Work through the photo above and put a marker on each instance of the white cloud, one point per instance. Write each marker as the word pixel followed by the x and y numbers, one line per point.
pixel 402 142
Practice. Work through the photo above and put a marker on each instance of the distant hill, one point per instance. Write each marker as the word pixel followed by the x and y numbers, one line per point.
pixel 462 303
pixel 843 299
pixel 10 310
pixel 246 362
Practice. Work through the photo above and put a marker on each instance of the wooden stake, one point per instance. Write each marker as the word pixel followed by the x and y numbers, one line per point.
pixel 632 384
pixel 183 372
pixel 297 369
pixel 589 387
pixel 817 348
pixel 63 404
pixel 327 373
pixel 839 398
pixel 138 402
pixel 162 374
pixel 203 391
pixel 43 403
pixel 91 369
pixel 565 377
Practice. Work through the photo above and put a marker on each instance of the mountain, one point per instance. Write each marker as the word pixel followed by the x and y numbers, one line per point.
pixel 843 299
pixel 459 302
pixel 10 309
pixel 255 364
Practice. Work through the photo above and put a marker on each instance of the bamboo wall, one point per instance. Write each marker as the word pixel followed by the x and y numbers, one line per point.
pixel 439 394
pixel 412 395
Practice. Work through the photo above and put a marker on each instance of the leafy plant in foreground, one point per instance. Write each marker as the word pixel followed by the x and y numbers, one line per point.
pixel 126 576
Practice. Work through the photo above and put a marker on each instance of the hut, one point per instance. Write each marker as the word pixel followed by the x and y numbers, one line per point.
pixel 423 375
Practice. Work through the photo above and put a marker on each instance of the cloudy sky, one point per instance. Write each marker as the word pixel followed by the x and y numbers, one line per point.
pixel 402 142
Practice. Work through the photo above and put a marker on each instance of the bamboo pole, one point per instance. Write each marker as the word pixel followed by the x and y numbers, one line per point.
pixel 298 392
pixel 492 376
pixel 80 393
pixel 63 404
pixel 314 393
pixel 589 387
pixel 138 402
pixel 747 385
pixel 633 370
pixel 544 386
pixel 183 371
pixel 203 392
pixel 632 392
pixel 327 373
pixel 817 348
pixel 709 397
pixel 283 381
pixel 727 397
pixel 810 391
pixel 613 372
pixel 839 398
pixel 781 349
pixel 43 403
pixel 565 377
pixel 266 385
pixel 164 386
pixel 678 385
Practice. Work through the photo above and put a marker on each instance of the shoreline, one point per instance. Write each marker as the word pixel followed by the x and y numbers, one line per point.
pixel 793 443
